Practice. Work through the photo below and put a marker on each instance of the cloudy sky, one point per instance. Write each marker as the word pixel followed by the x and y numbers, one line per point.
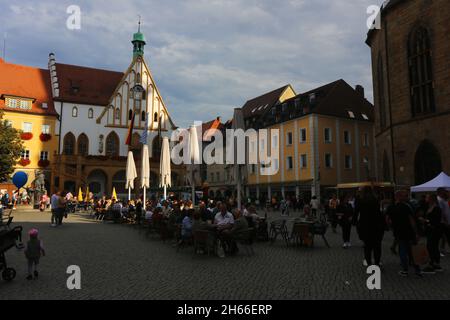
pixel 207 56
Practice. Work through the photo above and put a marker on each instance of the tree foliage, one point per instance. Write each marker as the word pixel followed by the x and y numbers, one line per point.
pixel 11 146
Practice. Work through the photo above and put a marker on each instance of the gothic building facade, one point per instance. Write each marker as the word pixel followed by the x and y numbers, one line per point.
pixel 411 77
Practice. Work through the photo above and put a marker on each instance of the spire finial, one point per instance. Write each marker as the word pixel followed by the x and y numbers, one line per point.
pixel 139 23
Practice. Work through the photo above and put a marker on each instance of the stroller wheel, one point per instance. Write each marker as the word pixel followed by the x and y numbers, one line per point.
pixel 8 274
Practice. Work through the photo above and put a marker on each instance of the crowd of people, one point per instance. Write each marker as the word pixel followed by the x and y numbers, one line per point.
pixel 15 198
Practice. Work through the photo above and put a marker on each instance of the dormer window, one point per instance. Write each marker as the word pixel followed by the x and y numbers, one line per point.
pixel 18 103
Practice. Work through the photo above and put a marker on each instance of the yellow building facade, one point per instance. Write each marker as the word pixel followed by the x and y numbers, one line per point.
pixel 325 137
pixel 25 100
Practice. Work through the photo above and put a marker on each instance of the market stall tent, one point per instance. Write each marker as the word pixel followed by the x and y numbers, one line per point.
pixel 441 181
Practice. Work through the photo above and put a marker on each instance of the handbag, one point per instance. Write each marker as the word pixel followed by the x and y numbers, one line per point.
pixel 420 254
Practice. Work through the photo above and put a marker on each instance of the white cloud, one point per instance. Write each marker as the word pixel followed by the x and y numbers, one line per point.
pixel 207 56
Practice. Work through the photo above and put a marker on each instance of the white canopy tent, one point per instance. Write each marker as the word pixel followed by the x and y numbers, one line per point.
pixel 441 181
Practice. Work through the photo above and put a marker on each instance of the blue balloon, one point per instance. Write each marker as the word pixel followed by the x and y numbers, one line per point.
pixel 20 179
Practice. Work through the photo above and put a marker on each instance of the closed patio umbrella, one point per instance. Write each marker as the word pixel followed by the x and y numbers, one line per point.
pixel 131 173
pixel 145 171
pixel 114 194
pixel 165 170
pixel 80 195
pixel 238 170
pixel 194 156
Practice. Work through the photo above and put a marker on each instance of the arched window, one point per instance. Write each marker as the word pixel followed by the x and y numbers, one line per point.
pixel 117 114
pixel 112 145
pixel 69 144
pixel 420 72
pixel 91 113
pixel 74 112
pixel 427 163
pixel 143 116
pixel 83 145
pixel 155 117
pixel 381 95
pixel 119 181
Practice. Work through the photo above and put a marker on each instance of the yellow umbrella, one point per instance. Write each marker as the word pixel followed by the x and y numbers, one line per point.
pixel 87 194
pixel 80 195
pixel 114 194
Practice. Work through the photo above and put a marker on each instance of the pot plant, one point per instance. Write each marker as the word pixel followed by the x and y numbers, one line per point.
pixel 45 137
pixel 24 162
pixel 26 136
pixel 43 163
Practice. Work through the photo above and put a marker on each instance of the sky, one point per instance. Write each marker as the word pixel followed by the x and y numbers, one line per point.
pixel 206 56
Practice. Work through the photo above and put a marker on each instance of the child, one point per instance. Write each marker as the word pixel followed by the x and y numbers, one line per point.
pixel 33 253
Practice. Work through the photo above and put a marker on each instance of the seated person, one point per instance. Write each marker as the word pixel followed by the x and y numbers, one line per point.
pixel 186 227
pixel 198 224
pixel 240 223
pixel 224 219
pixel 148 215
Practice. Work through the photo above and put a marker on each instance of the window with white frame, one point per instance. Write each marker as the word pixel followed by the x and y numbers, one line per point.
pixel 46 129
pixel 74 112
pixel 25 154
pixel 347 137
pixel 44 155
pixel 289 163
pixel 289 139
pixel 303 161
pixel 27 127
pixel 275 142
pixel 303 136
pixel 348 162
pixel 328 160
pixel 91 113
pixel 327 135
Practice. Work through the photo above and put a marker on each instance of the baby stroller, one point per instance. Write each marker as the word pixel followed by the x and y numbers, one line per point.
pixel 8 240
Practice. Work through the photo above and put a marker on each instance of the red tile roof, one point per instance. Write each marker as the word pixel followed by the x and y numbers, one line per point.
pixel 86 85
pixel 26 82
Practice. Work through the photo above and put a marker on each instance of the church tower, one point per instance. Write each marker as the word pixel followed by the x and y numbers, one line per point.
pixel 138 43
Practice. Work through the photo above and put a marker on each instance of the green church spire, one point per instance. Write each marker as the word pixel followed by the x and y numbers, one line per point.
pixel 138 42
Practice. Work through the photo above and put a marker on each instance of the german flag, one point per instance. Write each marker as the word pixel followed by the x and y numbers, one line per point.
pixel 130 130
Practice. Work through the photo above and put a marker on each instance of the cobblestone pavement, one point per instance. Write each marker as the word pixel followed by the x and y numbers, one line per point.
pixel 119 262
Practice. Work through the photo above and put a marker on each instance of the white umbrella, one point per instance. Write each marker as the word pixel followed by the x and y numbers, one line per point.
pixel 145 171
pixel 441 181
pixel 194 156
pixel 131 173
pixel 164 168
pixel 238 169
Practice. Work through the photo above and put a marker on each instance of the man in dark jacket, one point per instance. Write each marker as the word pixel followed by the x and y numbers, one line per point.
pixel 403 224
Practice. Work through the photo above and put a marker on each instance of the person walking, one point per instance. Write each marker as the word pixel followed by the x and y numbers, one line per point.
pixel 403 224
pixel 433 230
pixel 443 201
pixel 344 214
pixel 33 252
pixel 314 205
pixel 54 205
pixel 370 225
pixel 333 204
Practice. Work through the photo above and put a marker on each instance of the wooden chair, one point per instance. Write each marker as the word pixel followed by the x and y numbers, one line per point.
pixel 278 227
pixel 204 240
pixel 245 239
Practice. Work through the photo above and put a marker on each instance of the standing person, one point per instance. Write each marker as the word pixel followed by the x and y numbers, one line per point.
pixel 344 214
pixel 54 205
pixel 284 208
pixel 33 252
pixel 61 208
pixel 370 224
pixel 443 201
pixel 332 207
pixel 314 205
pixel 433 220
pixel 403 224
pixel 138 212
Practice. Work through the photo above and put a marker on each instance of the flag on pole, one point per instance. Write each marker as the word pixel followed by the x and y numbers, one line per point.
pixel 145 133
pixel 130 130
